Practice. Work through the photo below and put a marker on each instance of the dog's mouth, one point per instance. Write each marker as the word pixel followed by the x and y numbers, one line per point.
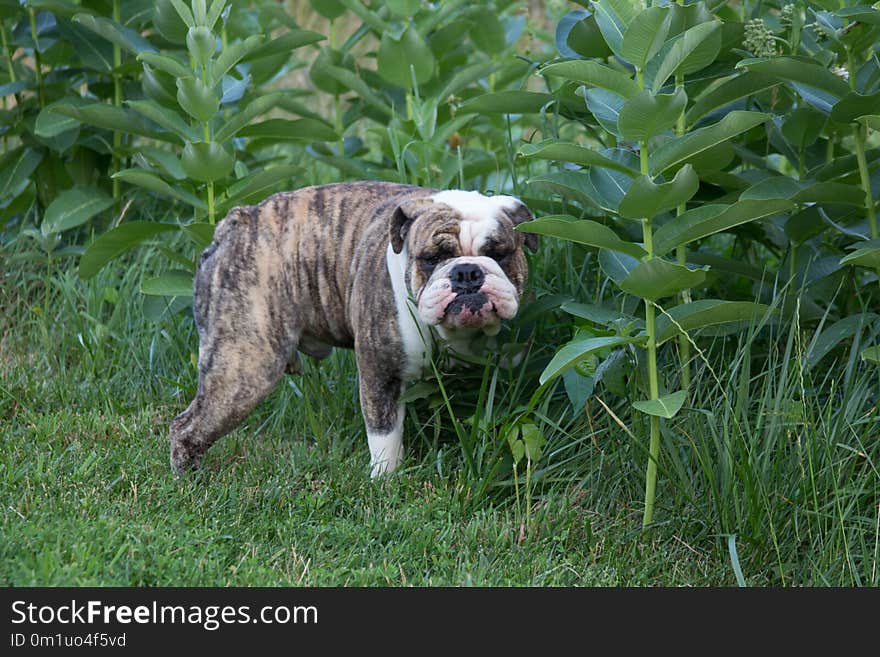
pixel 470 310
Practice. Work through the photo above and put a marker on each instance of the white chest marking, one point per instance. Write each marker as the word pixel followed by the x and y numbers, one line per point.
pixel 414 335
pixel 479 214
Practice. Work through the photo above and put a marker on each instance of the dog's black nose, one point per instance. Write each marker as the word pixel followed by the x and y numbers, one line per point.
pixel 466 278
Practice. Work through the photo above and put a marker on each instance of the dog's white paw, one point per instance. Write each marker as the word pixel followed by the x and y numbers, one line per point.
pixel 386 452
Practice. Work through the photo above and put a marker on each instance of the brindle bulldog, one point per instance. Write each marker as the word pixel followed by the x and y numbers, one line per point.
pixel 380 267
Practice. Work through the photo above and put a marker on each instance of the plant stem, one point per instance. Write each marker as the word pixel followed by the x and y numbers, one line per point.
pixel 684 345
pixel 653 383
pixel 6 54
pixel 860 135
pixel 11 71
pixel 210 184
pixel 117 101
pixel 337 101
pixel 38 65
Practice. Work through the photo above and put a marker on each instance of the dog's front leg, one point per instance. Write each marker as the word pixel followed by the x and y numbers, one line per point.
pixel 383 414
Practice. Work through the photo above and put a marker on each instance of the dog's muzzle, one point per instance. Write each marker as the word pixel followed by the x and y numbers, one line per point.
pixel 474 293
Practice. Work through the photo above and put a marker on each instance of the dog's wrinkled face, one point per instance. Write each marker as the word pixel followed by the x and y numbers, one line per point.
pixel 465 265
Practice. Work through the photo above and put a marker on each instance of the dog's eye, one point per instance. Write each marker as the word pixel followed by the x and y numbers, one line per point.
pixel 498 256
pixel 431 260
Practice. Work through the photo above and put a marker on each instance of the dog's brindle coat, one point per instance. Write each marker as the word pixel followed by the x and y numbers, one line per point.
pixel 309 270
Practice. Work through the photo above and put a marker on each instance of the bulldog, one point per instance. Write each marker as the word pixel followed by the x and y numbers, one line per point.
pixel 379 267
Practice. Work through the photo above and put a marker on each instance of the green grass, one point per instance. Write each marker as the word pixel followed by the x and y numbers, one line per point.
pixel 783 458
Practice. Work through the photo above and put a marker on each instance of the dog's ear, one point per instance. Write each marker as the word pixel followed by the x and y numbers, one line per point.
pixel 401 220
pixel 518 215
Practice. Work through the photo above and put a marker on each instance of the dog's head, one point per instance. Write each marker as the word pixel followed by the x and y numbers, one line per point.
pixel 464 262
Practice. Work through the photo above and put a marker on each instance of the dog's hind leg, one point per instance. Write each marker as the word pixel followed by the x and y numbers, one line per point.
pixel 233 378
pixel 246 338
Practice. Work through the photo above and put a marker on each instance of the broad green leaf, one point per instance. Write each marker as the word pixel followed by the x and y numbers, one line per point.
pixel 569 152
pixel 575 185
pixel 597 314
pixel 197 99
pixel 168 22
pixel 616 265
pixel 582 231
pixel 862 13
pixel 645 35
pixel 803 225
pixel 645 115
pixel 286 130
pixel 247 114
pixel 594 74
pixel 284 44
pixel 168 119
pixel 124 37
pixel 201 44
pixel 871 354
pixel 605 107
pixel 803 126
pixel 574 352
pixel 645 199
pixel 403 8
pixel 804 191
pixel 352 81
pixel 611 185
pixel 74 207
pixel 152 182
pixel 93 53
pixel 200 11
pixel 214 13
pixel 704 313
pixel 466 76
pixel 657 278
pixel 165 63
pixel 206 161
pixel 682 148
pixel 805 73
pixel 106 116
pixel 728 90
pixel 664 406
pixel 533 439
pixel 854 105
pixel 330 9
pixel 613 17
pixel 49 124
pixel 201 233
pixel 170 284
pixel 403 60
pixel 507 102
pixel 577 35
pixel 167 162
pixel 234 53
pixel 710 219
pixel 260 183
pixel 720 264
pixel 116 242
pixel 864 257
pixel 487 31
pixel 64 8
pixel 688 53
pixel 17 166
pixel 185 13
